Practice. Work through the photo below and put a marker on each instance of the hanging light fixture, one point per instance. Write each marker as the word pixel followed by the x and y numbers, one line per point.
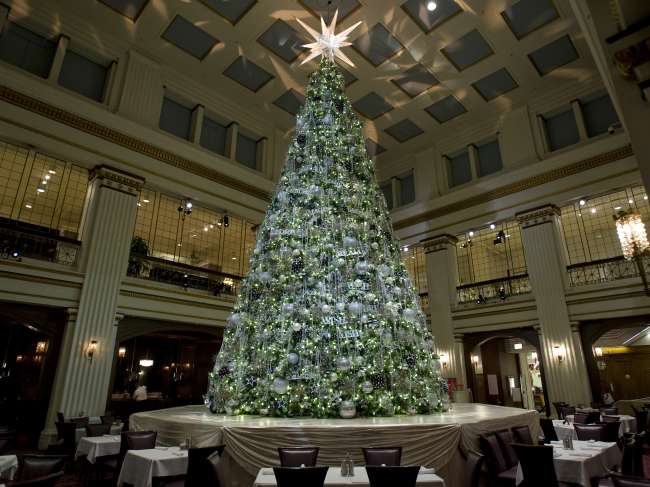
pixel 634 241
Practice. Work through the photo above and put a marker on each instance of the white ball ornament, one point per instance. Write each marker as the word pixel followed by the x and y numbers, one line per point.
pixel 296 252
pixel 358 283
pixel 280 385
pixel 374 246
pixel 410 314
pixel 367 387
pixel 355 307
pixel 334 376
pixel 293 358
pixel 349 242
pixel 347 410
pixel 343 364
pixel 361 267
pixel 340 262
pixel 296 327
pixel 340 306
pixel 287 307
pixel 364 319
pixel 326 309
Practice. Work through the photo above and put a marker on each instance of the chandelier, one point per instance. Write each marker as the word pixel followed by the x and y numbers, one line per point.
pixel 634 241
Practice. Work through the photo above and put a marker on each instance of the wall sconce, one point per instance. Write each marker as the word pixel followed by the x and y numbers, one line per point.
pixel 475 360
pixel 92 348
pixel 518 346
pixel 19 358
pixel 444 360
pixel 559 352
pixel 41 347
pixel 598 352
pixel 121 352
pixel 146 362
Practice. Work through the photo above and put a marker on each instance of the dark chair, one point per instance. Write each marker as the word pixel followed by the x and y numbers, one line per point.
pixel 98 429
pixel 627 481
pixel 641 420
pixel 586 418
pixel 298 456
pixel 47 481
pixel 568 411
pixel 473 464
pixel 609 419
pixel 536 465
pixel 107 419
pixel 129 440
pixel 391 456
pixel 7 438
pixel 402 476
pixel 612 429
pixel 608 411
pixel 548 429
pixel 67 432
pixel 497 468
pixel 559 409
pixel 586 432
pixel 80 421
pixel 60 417
pixel 35 466
pixel 505 440
pixel 629 459
pixel 521 434
pixel 200 470
pixel 300 476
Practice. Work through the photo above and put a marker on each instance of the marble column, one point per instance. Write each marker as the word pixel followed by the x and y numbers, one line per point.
pixel 82 379
pixel 440 255
pixel 563 361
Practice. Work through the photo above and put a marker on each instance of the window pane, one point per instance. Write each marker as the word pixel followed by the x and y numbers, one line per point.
pixel 561 130
pixel 82 75
pixel 213 136
pixel 459 169
pixel 175 119
pixel 489 158
pixel 387 189
pixel 246 151
pixel 599 114
pixel 407 190
pixel 27 50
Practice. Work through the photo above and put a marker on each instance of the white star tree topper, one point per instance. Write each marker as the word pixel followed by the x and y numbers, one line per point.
pixel 328 44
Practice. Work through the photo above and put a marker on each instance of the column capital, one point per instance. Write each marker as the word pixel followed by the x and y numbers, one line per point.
pixel 538 328
pixel 459 337
pixel 118 317
pixel 439 242
pixel 71 314
pixel 575 326
pixel 537 216
pixel 116 179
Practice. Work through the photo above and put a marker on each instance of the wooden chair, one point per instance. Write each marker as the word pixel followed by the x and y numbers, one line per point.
pixel 35 466
pixel 474 464
pixel 497 468
pixel 505 440
pixel 300 476
pixel 385 476
pixel 298 456
pixel 521 434
pixel 537 465
pixel 548 429
pixel 98 429
pixel 586 432
pixel 391 456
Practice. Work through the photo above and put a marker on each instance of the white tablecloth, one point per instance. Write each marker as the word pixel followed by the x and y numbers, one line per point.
pixel 140 466
pixel 8 466
pixel 563 430
pixel 79 433
pixel 98 446
pixel 266 478
pixel 586 461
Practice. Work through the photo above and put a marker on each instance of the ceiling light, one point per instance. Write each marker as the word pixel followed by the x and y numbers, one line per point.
pixel 47 177
pixel 492 226
pixel 234 258
pixel 28 205
pixel 40 190
pixel 431 6
pixel 471 233
pixel 211 225
pixel 645 197
pixel 145 201
pixel 583 202
pixel 405 249
pixel 617 207
pixel 139 204
pixel 51 171
pixel 145 362
pixel 518 346
pixel 44 181
pixel 593 210
pixel 630 201
pixel 205 229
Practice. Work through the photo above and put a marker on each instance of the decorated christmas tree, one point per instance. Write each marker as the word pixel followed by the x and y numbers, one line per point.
pixel 327 323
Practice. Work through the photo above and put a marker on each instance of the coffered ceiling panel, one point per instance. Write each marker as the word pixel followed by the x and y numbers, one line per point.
pixel 131 9
pixel 526 16
pixel 404 130
pixel 372 106
pixel 377 45
pixel 429 19
pixel 446 109
pixel 550 57
pixel 467 50
pixel 495 84
pixel 415 80
pixel 248 74
pixel 291 101
pixel 185 35
pixel 373 148
pixel 283 41
pixel 231 10
pixel 326 8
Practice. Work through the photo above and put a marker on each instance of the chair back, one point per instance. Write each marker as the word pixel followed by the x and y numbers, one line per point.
pixel 298 456
pixel 548 429
pixel 99 429
pixel 521 434
pixel 68 433
pixel 199 470
pixel 80 421
pixel 567 411
pixel 505 440
pixel 609 411
pixel 35 466
pixel 404 476
pixel 135 440
pixel 612 429
pixel 559 408
pixel 474 464
pixel 494 459
pixel 586 432
pixel 536 465
pixel 641 420
pixel 300 476
pixel 107 419
pixel 391 456
pixel 46 481
pixel 586 418
pixel 626 481
pixel 629 457
pixel 609 419
pixel 60 416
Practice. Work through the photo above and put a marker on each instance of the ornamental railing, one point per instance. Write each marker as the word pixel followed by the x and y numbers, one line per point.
pixel 184 275
pixel 20 240
pixel 493 290
pixel 605 270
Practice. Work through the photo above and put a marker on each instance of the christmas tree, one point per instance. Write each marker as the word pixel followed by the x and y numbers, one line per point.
pixel 327 323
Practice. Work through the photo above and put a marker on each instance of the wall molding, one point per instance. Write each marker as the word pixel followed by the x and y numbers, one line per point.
pixel 65 117
pixel 519 186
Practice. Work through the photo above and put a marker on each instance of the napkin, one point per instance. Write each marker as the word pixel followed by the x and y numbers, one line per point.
pixel 425 470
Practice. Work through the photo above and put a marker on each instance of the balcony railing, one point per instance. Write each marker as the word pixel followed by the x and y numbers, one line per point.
pixel 178 274
pixel 493 290
pixel 605 270
pixel 20 240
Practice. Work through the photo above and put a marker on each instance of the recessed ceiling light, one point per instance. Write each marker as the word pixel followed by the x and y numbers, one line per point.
pixel 139 204
pixel 51 171
pixel 44 181
pixel 630 201
pixel 178 245
pixel 645 197
pixel 492 226
pixel 471 234
pixel 211 225
pixel 145 201
pixel 234 258
pixel 431 6
pixel 40 190
pixel 617 207
pixel 205 229
pixel 583 202
pixel 47 177
pixel 28 205
pixel 593 210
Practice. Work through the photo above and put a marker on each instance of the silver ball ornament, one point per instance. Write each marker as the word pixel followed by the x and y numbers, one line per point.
pixel 296 327
pixel 343 364
pixel 367 387
pixel 293 358
pixel 280 385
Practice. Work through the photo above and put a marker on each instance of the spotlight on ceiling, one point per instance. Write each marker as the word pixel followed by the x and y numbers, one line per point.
pixel 431 6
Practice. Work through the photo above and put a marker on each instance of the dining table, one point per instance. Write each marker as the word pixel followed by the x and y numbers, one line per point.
pixel 586 461
pixel 564 428
pixel 116 429
pixel 8 466
pixel 426 478
pixel 140 467
pixel 93 447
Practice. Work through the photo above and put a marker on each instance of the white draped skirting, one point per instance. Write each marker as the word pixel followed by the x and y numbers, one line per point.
pixel 252 441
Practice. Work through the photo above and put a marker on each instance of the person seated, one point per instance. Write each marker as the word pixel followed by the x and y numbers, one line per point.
pixel 140 394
